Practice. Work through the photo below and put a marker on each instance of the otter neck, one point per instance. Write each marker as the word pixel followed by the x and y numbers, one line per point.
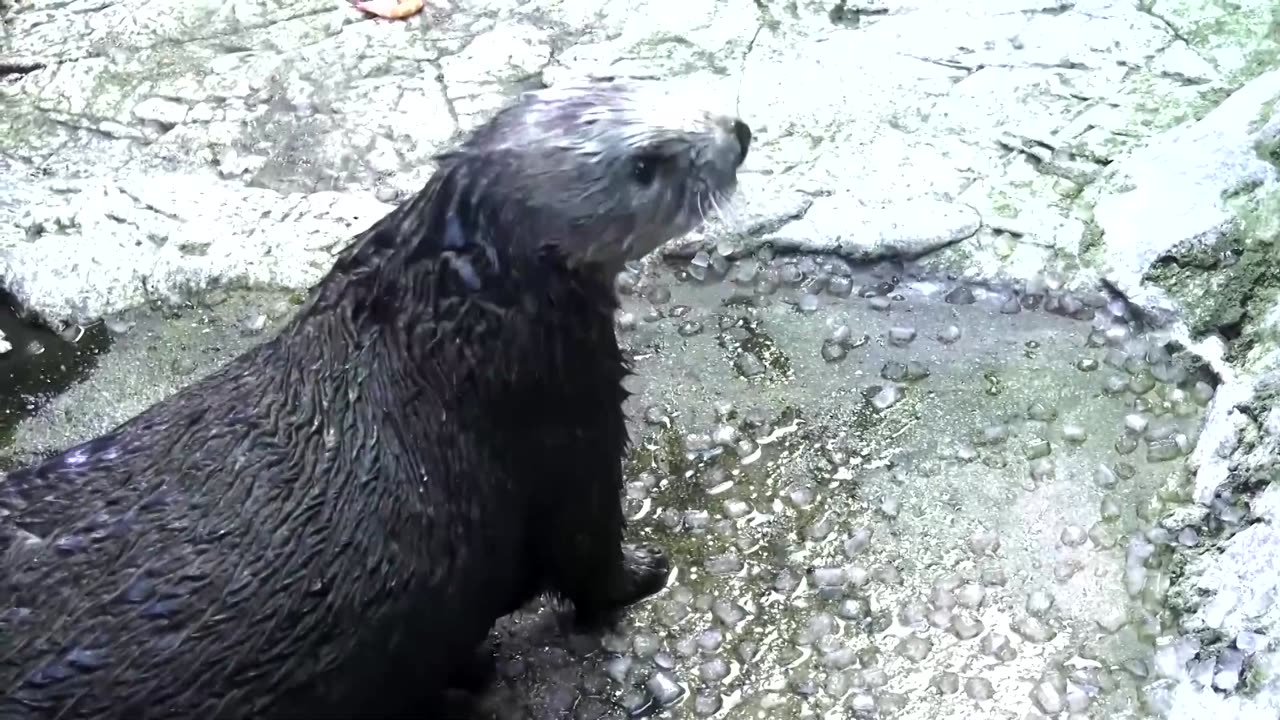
pixel 450 248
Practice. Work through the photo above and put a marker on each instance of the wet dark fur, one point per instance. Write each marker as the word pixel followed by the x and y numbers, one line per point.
pixel 330 524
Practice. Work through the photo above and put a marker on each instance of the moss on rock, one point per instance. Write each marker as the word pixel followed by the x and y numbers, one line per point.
pixel 1228 281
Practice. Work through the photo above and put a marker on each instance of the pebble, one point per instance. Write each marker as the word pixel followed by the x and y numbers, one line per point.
pixel 706 705
pixel 966 626
pixel 914 647
pixel 946 683
pixel 979 688
pixel 960 295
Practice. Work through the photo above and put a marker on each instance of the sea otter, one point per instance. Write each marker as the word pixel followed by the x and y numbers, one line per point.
pixel 329 525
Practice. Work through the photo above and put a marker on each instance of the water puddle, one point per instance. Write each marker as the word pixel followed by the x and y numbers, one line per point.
pixel 152 354
pixel 39 364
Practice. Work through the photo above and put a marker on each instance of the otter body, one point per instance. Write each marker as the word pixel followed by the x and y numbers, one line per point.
pixel 329 525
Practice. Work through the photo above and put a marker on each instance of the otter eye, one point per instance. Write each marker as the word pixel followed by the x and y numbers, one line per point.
pixel 644 168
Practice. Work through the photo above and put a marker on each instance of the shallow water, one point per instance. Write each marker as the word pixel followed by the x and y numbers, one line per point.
pixel 152 354
pixel 38 363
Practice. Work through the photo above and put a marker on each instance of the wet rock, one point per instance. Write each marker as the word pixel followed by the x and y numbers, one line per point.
pixel 845 225
pixel 1167 198
pixel 182 233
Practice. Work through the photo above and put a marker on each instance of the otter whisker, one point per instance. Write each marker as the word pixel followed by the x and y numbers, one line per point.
pixel 729 209
pixel 716 205
pixel 702 209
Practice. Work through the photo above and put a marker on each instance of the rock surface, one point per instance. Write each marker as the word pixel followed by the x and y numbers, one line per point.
pixel 1007 108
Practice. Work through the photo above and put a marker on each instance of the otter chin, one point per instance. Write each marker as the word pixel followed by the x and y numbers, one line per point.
pixel 329 525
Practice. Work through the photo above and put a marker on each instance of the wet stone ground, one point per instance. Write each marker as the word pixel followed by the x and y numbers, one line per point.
pixel 885 493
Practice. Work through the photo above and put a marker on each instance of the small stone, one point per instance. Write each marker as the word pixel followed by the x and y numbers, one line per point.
pixel 970 595
pixel 886 397
pixel 749 365
pixel 960 295
pixel 1047 698
pixel 1112 620
pixel 1033 629
pixel 1039 603
pixel 1073 434
pixel 997 645
pixel 1251 642
pixel 946 683
pixel 689 328
pixel 914 648
pixel 254 324
pixel 1087 364
pixel 833 351
pixel 984 542
pixel 890 507
pixel 727 564
pixel 713 670
pixel 979 688
pixel 1073 536
pixel 840 658
pixel 857 542
pixel 863 704
pixel 900 336
pixel 854 609
pixel 646 644
pixel 706 705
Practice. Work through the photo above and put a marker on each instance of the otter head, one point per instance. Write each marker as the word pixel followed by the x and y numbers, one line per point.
pixel 605 171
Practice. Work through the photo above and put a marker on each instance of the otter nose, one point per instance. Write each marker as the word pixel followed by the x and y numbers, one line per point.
pixel 743 133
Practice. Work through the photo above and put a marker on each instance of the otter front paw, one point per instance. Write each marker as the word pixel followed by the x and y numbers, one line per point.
pixel 645 572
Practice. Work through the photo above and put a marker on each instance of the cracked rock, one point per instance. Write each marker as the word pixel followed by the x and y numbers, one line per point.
pixel 843 224
pixel 97 247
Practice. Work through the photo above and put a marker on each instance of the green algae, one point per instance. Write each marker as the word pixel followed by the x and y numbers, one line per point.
pixel 1233 278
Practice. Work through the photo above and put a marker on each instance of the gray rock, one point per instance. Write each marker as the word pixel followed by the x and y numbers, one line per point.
pixel 845 225
pixel 94 247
